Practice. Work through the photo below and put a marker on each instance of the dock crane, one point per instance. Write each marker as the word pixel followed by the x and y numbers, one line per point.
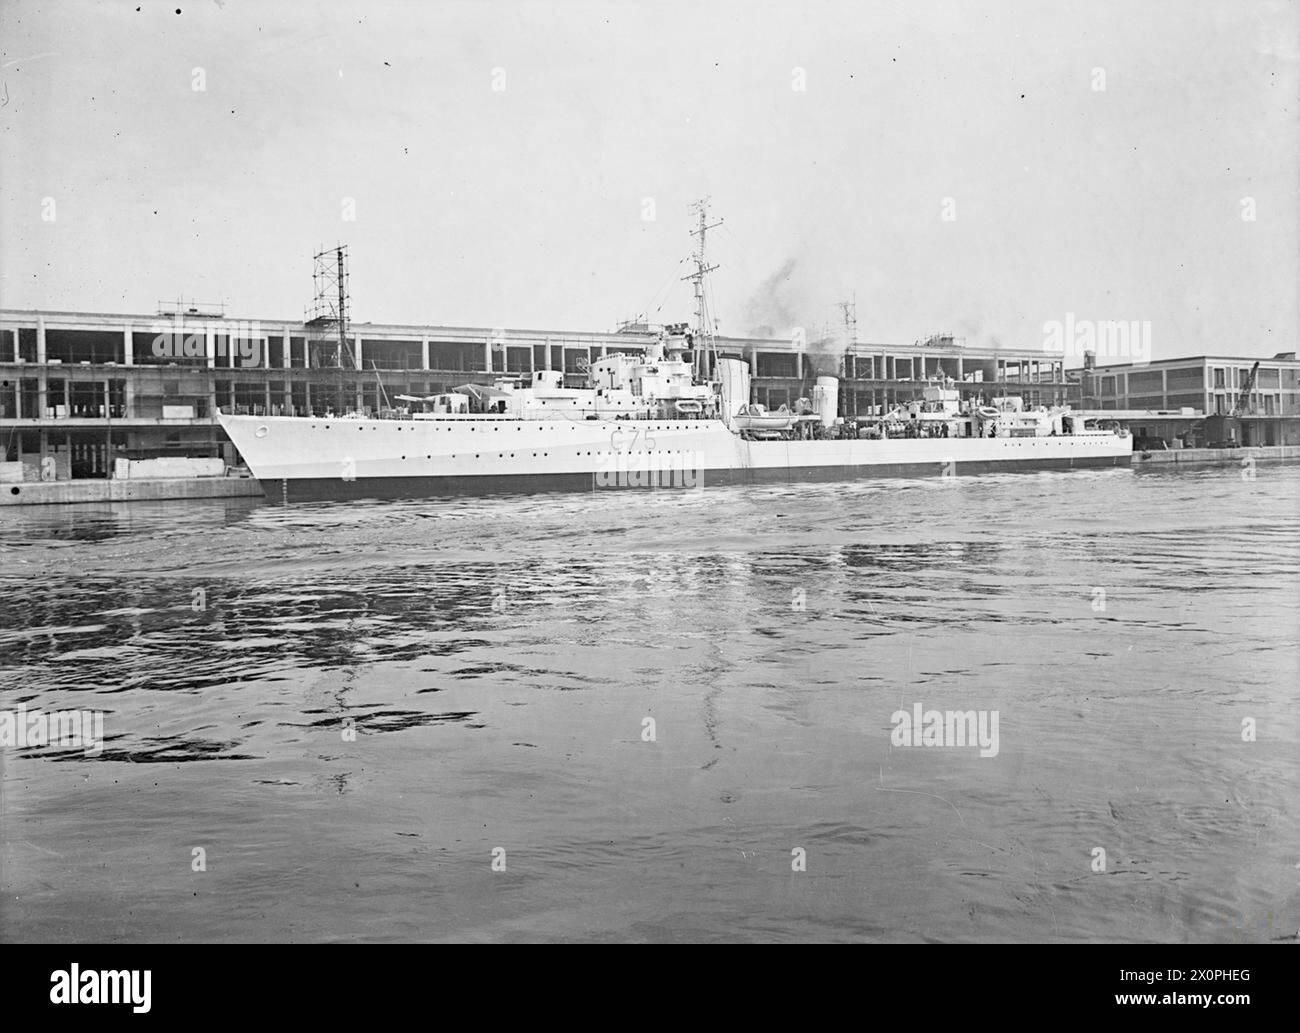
pixel 1226 430
pixel 1243 398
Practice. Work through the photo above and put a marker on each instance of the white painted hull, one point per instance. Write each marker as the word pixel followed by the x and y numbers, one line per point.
pixel 411 457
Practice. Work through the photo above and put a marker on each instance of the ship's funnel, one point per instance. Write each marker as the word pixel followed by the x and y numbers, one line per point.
pixel 733 378
pixel 826 399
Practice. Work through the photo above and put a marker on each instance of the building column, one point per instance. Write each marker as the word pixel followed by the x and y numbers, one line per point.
pixel 487 355
pixel 128 345
pixel 424 352
pixel 548 354
pixel 356 351
pixel 42 376
pixel 286 359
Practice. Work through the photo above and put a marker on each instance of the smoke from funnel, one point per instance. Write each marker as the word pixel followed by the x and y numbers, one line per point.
pixel 771 309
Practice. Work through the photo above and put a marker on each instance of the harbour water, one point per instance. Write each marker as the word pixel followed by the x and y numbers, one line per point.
pixel 639 715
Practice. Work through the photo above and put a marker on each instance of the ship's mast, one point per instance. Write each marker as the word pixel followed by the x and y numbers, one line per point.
pixel 703 324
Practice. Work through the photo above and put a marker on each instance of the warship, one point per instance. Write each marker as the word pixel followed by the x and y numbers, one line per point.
pixel 673 413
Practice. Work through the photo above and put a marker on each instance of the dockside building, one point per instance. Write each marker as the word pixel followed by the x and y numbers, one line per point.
pixel 80 389
pixel 1169 397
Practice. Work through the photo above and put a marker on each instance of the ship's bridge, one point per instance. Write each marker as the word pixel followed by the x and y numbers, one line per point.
pixel 660 373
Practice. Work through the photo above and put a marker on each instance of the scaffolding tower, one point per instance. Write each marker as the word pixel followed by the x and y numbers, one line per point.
pixel 326 324
pixel 326 320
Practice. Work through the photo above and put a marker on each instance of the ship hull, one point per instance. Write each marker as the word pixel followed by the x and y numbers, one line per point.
pixel 299 459
pixel 320 489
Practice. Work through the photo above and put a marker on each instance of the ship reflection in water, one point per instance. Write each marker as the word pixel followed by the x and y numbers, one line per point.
pixel 350 707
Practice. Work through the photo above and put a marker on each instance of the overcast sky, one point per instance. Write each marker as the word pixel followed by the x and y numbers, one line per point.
pixel 525 206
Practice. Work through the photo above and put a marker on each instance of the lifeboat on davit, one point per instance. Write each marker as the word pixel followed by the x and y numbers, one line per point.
pixel 755 418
